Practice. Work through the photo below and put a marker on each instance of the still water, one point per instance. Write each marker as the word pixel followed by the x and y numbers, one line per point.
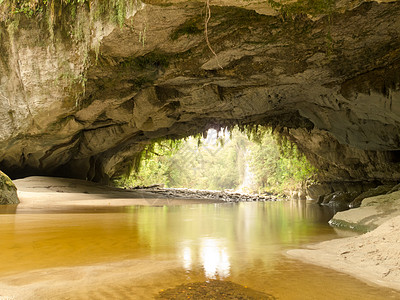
pixel 135 252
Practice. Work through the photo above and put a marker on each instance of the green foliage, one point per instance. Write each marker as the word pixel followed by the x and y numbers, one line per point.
pixel 120 12
pixel 72 21
pixel 206 165
pixel 114 10
pixel 152 164
pixel 30 8
pixel 224 162
pixel 279 165
pixel 186 164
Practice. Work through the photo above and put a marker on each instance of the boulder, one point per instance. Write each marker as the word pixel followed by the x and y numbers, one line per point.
pixel 324 200
pixel 394 189
pixel 339 199
pixel 8 191
pixel 380 190
pixel 315 191
pixel 320 191
pixel 373 212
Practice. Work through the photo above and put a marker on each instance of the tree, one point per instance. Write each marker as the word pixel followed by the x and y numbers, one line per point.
pixel 221 162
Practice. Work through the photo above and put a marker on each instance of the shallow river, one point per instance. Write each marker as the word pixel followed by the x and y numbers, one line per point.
pixel 136 252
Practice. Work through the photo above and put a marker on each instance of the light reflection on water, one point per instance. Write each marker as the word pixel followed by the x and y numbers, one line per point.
pixel 248 232
pixel 212 255
pixel 215 237
pixel 215 259
pixel 187 258
pixel 239 242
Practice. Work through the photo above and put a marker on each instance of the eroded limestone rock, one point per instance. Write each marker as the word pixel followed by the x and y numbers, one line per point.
pixel 380 190
pixel 83 102
pixel 373 212
pixel 8 191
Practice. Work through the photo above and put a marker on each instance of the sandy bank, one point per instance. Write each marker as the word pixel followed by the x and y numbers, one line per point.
pixel 42 192
pixel 128 279
pixel 373 257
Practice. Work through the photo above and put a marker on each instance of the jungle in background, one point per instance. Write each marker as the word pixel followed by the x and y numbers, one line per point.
pixel 254 162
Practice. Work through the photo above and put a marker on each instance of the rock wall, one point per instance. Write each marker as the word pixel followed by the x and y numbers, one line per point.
pixel 81 97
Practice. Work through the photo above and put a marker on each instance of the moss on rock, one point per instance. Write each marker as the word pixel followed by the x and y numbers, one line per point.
pixel 351 226
pixel 8 191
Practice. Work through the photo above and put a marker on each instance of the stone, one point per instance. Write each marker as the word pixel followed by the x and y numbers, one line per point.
pixel 327 198
pixel 213 289
pixel 315 191
pixel 339 199
pixel 227 196
pixel 83 99
pixel 8 191
pixel 380 190
pixel 343 199
pixel 373 212
pixel 394 189
pixel 302 195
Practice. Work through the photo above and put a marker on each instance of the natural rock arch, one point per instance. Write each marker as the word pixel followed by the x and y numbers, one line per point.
pixel 82 102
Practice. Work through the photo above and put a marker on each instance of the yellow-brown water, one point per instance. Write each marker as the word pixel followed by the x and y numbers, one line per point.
pixel 135 252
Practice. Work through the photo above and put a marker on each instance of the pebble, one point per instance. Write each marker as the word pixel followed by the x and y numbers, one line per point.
pixel 206 194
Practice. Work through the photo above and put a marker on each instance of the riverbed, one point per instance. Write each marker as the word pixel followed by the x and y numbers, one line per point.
pixel 90 251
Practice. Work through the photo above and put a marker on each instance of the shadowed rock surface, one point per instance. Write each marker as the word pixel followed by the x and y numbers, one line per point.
pixel 380 190
pixel 82 99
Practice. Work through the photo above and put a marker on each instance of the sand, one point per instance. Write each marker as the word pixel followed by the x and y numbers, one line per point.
pixel 373 257
pixel 128 279
pixel 39 192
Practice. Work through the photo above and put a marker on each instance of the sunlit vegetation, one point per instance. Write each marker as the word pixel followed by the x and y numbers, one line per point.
pixel 252 162
pixel 115 10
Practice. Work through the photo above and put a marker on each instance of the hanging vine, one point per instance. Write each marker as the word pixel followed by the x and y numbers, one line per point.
pixel 207 19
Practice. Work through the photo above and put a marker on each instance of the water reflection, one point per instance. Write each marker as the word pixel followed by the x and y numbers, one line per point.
pixel 224 238
pixel 219 239
pixel 238 242
pixel 214 258
pixel 187 258
pixel 8 209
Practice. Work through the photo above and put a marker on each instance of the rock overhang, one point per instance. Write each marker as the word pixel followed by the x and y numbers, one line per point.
pixel 84 108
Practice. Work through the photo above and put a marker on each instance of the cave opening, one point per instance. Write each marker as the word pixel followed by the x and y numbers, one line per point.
pixel 248 160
